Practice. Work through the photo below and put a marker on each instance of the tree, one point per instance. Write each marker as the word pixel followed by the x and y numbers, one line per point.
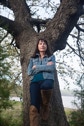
pixel 4 82
pixel 77 116
pixel 56 33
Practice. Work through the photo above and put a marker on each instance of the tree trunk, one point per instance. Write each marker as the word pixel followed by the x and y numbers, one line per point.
pixel 57 114
pixel 27 45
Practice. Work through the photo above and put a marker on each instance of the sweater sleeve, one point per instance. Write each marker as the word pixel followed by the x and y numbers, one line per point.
pixel 41 68
pixel 30 71
pixel 46 68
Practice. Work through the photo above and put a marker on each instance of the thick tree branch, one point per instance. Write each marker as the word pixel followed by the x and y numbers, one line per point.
pixel 61 25
pixel 5 3
pixel 22 15
pixel 38 23
pixel 9 25
pixel 21 10
pixel 16 5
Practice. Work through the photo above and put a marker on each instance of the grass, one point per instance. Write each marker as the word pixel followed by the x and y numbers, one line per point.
pixel 12 116
pixel 68 112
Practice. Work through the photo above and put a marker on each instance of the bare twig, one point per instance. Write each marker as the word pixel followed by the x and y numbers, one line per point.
pixel 75 52
pixel 4 37
pixel 79 28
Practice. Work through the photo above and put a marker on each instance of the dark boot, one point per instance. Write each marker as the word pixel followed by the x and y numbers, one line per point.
pixel 46 95
pixel 34 116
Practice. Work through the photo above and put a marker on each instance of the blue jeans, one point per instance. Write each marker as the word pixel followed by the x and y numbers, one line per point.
pixel 35 91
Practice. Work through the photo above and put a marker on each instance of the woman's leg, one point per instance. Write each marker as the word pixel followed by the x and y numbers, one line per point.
pixel 35 97
pixel 46 92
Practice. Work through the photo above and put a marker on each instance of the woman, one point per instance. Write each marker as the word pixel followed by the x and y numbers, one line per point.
pixel 41 69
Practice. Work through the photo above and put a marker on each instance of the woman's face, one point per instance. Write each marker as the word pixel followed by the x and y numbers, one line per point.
pixel 42 47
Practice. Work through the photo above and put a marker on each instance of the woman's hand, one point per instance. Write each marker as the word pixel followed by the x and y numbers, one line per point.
pixel 34 67
pixel 50 63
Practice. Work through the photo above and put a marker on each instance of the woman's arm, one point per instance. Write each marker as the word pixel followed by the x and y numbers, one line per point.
pixel 50 67
pixel 30 71
pixel 45 68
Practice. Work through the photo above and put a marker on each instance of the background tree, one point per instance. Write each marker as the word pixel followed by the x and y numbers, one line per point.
pixel 4 80
pixel 56 33
pixel 77 116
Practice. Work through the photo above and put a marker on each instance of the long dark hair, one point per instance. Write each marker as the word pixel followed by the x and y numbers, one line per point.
pixel 37 51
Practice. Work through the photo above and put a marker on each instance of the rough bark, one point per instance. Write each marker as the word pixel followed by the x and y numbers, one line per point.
pixel 57 31
pixel 26 52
